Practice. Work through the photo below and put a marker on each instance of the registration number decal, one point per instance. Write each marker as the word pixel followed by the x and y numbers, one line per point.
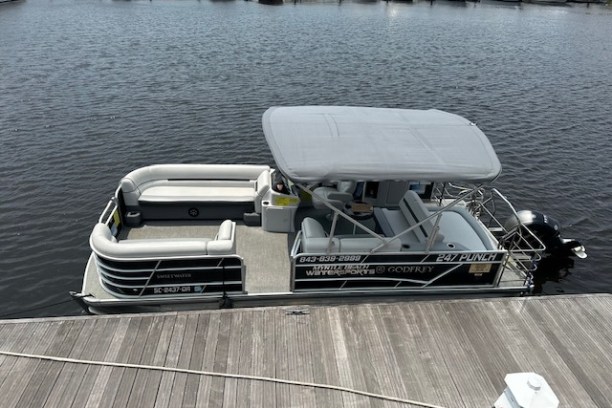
pixel 480 268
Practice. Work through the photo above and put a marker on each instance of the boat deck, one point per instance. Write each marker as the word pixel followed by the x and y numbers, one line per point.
pixel 265 253
pixel 449 353
pixel 266 259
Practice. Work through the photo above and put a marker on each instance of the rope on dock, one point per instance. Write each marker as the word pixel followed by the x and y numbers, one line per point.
pixel 223 375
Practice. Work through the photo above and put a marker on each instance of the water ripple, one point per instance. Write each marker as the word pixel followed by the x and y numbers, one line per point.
pixel 90 90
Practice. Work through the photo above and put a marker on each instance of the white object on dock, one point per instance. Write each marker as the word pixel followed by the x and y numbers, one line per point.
pixel 526 390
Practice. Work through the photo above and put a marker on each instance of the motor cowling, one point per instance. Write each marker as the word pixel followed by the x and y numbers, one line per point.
pixel 548 230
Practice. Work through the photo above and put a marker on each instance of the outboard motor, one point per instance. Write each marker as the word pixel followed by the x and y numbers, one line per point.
pixel 548 230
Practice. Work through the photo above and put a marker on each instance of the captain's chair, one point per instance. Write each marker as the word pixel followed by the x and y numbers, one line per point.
pixel 337 196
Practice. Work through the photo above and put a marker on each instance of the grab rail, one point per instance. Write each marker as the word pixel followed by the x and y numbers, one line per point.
pixel 105 219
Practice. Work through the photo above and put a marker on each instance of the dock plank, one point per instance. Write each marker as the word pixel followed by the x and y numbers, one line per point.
pixel 217 385
pixel 342 358
pixel 304 355
pixel 451 353
pixel 459 355
pixel 196 361
pixel 233 359
pixel 568 335
pixel 244 389
pixel 358 361
pixel 269 356
pixel 92 390
pixel 598 336
pixel 534 353
pixel 134 356
pixel 172 358
pixel 153 336
pixel 298 356
pixel 79 389
pixel 407 338
pixel 385 363
pixel 208 359
pixel 177 393
pixel 10 339
pixel 25 372
pixel 368 355
pixel 254 365
pixel 153 379
pixel 61 381
pixel 281 368
pixel 114 383
pixel 325 371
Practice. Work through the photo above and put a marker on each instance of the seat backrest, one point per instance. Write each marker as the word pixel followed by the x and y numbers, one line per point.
pixel 132 184
pixel 368 243
pixel 346 186
pixel 314 238
pixel 104 244
pixel 336 196
pixel 225 241
pixel 263 185
pixel 414 210
pixel 311 228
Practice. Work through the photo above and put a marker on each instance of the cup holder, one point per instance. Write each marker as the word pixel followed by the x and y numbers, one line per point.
pixel 133 219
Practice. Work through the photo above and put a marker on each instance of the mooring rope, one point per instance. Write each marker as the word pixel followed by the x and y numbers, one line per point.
pixel 223 375
pixel 41 307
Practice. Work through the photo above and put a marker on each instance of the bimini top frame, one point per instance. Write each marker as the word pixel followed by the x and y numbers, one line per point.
pixel 313 144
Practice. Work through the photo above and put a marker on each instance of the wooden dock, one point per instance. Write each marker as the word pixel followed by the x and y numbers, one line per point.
pixel 448 353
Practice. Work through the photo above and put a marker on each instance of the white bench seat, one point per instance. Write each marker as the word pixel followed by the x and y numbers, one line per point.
pixel 315 241
pixel 210 191
pixel 104 244
pixel 205 194
pixel 457 229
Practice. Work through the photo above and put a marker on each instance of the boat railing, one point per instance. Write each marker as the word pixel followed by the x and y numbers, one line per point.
pixel 194 275
pixel 144 276
pixel 107 214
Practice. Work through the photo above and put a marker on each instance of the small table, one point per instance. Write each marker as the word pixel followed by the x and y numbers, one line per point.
pixel 358 210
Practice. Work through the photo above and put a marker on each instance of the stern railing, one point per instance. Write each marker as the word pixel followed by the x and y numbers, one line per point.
pixel 495 212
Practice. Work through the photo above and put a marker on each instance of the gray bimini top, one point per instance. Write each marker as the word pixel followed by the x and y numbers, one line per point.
pixel 319 143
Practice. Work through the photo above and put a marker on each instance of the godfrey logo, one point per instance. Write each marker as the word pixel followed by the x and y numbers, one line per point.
pixel 404 269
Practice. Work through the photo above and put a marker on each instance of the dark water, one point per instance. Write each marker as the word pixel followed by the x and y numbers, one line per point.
pixel 90 90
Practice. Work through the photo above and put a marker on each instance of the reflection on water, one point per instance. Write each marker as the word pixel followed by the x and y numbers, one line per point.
pixel 551 269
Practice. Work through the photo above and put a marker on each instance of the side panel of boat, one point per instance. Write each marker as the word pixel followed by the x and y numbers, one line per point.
pixel 139 278
pixel 343 271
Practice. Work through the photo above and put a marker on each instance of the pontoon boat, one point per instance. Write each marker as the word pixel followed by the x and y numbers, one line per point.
pixel 365 203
